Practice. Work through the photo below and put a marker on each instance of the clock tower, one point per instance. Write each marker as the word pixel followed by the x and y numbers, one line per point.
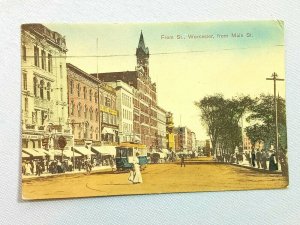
pixel 142 57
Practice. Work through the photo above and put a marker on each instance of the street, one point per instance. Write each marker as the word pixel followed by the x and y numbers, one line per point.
pixel 157 178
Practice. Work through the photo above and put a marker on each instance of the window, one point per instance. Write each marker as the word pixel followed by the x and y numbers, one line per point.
pixel 79 109
pixel 107 102
pixel 95 95
pixel 72 108
pixel 36 56
pixel 90 95
pixel 43 59
pixel 71 86
pixel 91 113
pixel 97 131
pixel 91 133
pixel 24 81
pixel 48 91
pixel 85 111
pixel 26 104
pixel 84 92
pixel 60 71
pixel 49 63
pixel 24 52
pixel 96 114
pixel 105 117
pixel 42 89
pixel 78 90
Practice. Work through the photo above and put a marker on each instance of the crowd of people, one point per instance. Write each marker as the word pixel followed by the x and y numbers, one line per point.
pixel 261 159
pixel 37 167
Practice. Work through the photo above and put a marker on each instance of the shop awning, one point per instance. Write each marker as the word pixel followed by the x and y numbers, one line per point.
pixel 32 152
pixel 25 155
pixel 42 151
pixel 105 150
pixel 107 130
pixel 83 150
pixel 67 153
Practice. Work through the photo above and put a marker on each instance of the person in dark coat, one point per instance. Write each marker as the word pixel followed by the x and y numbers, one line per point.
pixel 258 158
pixel 253 157
pixel 264 160
pixel 182 161
pixel 273 166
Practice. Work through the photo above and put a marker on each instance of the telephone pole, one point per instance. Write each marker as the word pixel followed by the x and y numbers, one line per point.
pixel 274 79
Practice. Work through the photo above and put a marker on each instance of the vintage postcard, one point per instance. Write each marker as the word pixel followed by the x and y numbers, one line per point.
pixel 122 109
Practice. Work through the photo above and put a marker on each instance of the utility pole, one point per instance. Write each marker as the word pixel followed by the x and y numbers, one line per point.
pixel 274 79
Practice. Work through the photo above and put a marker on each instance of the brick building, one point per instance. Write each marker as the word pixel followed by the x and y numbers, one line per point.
pixel 144 95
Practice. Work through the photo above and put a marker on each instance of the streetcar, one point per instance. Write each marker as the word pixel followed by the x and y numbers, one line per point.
pixel 127 151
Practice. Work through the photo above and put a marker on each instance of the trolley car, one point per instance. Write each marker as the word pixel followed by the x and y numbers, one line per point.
pixel 126 152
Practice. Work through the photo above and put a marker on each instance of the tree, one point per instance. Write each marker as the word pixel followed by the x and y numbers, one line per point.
pixel 221 118
pixel 262 118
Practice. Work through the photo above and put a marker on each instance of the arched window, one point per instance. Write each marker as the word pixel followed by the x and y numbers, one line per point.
pixel 90 95
pixel 26 104
pixel 48 91
pixel 96 97
pixel 78 90
pixel 84 92
pixel 91 113
pixel 42 89
pixel 96 114
pixel 85 111
pixel 72 108
pixel 91 133
pixel 35 86
pixel 79 109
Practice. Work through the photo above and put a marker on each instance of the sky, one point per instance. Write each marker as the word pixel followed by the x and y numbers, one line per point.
pixel 231 58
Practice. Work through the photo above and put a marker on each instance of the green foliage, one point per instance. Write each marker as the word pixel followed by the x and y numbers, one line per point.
pixel 221 117
pixel 262 118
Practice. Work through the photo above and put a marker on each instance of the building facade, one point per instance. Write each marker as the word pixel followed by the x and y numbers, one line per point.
pixel 170 131
pixel 144 95
pixel 183 139
pixel 124 104
pixel 161 128
pixel 44 90
pixel 108 114
pixel 83 105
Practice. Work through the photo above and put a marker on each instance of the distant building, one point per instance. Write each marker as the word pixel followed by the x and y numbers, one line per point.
pixel 170 131
pixel 161 128
pixel 44 91
pixel 183 139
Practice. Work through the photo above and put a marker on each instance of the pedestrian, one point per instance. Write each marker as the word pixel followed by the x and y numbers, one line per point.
pixel 137 178
pixel 27 168
pixel 258 158
pixel 34 167
pixel 264 160
pixel 253 157
pixel 182 161
pixel 38 168
pixel 273 162
pixel 131 174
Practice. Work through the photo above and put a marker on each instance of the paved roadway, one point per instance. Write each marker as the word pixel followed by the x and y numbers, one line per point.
pixel 158 178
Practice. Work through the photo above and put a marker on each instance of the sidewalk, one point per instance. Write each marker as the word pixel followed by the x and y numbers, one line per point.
pixel 245 164
pixel 95 169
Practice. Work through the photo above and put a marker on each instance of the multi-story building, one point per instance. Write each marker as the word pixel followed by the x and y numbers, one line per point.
pixel 124 104
pixel 183 139
pixel 44 90
pixel 170 131
pixel 193 140
pixel 108 115
pixel 161 128
pixel 83 105
pixel 144 95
